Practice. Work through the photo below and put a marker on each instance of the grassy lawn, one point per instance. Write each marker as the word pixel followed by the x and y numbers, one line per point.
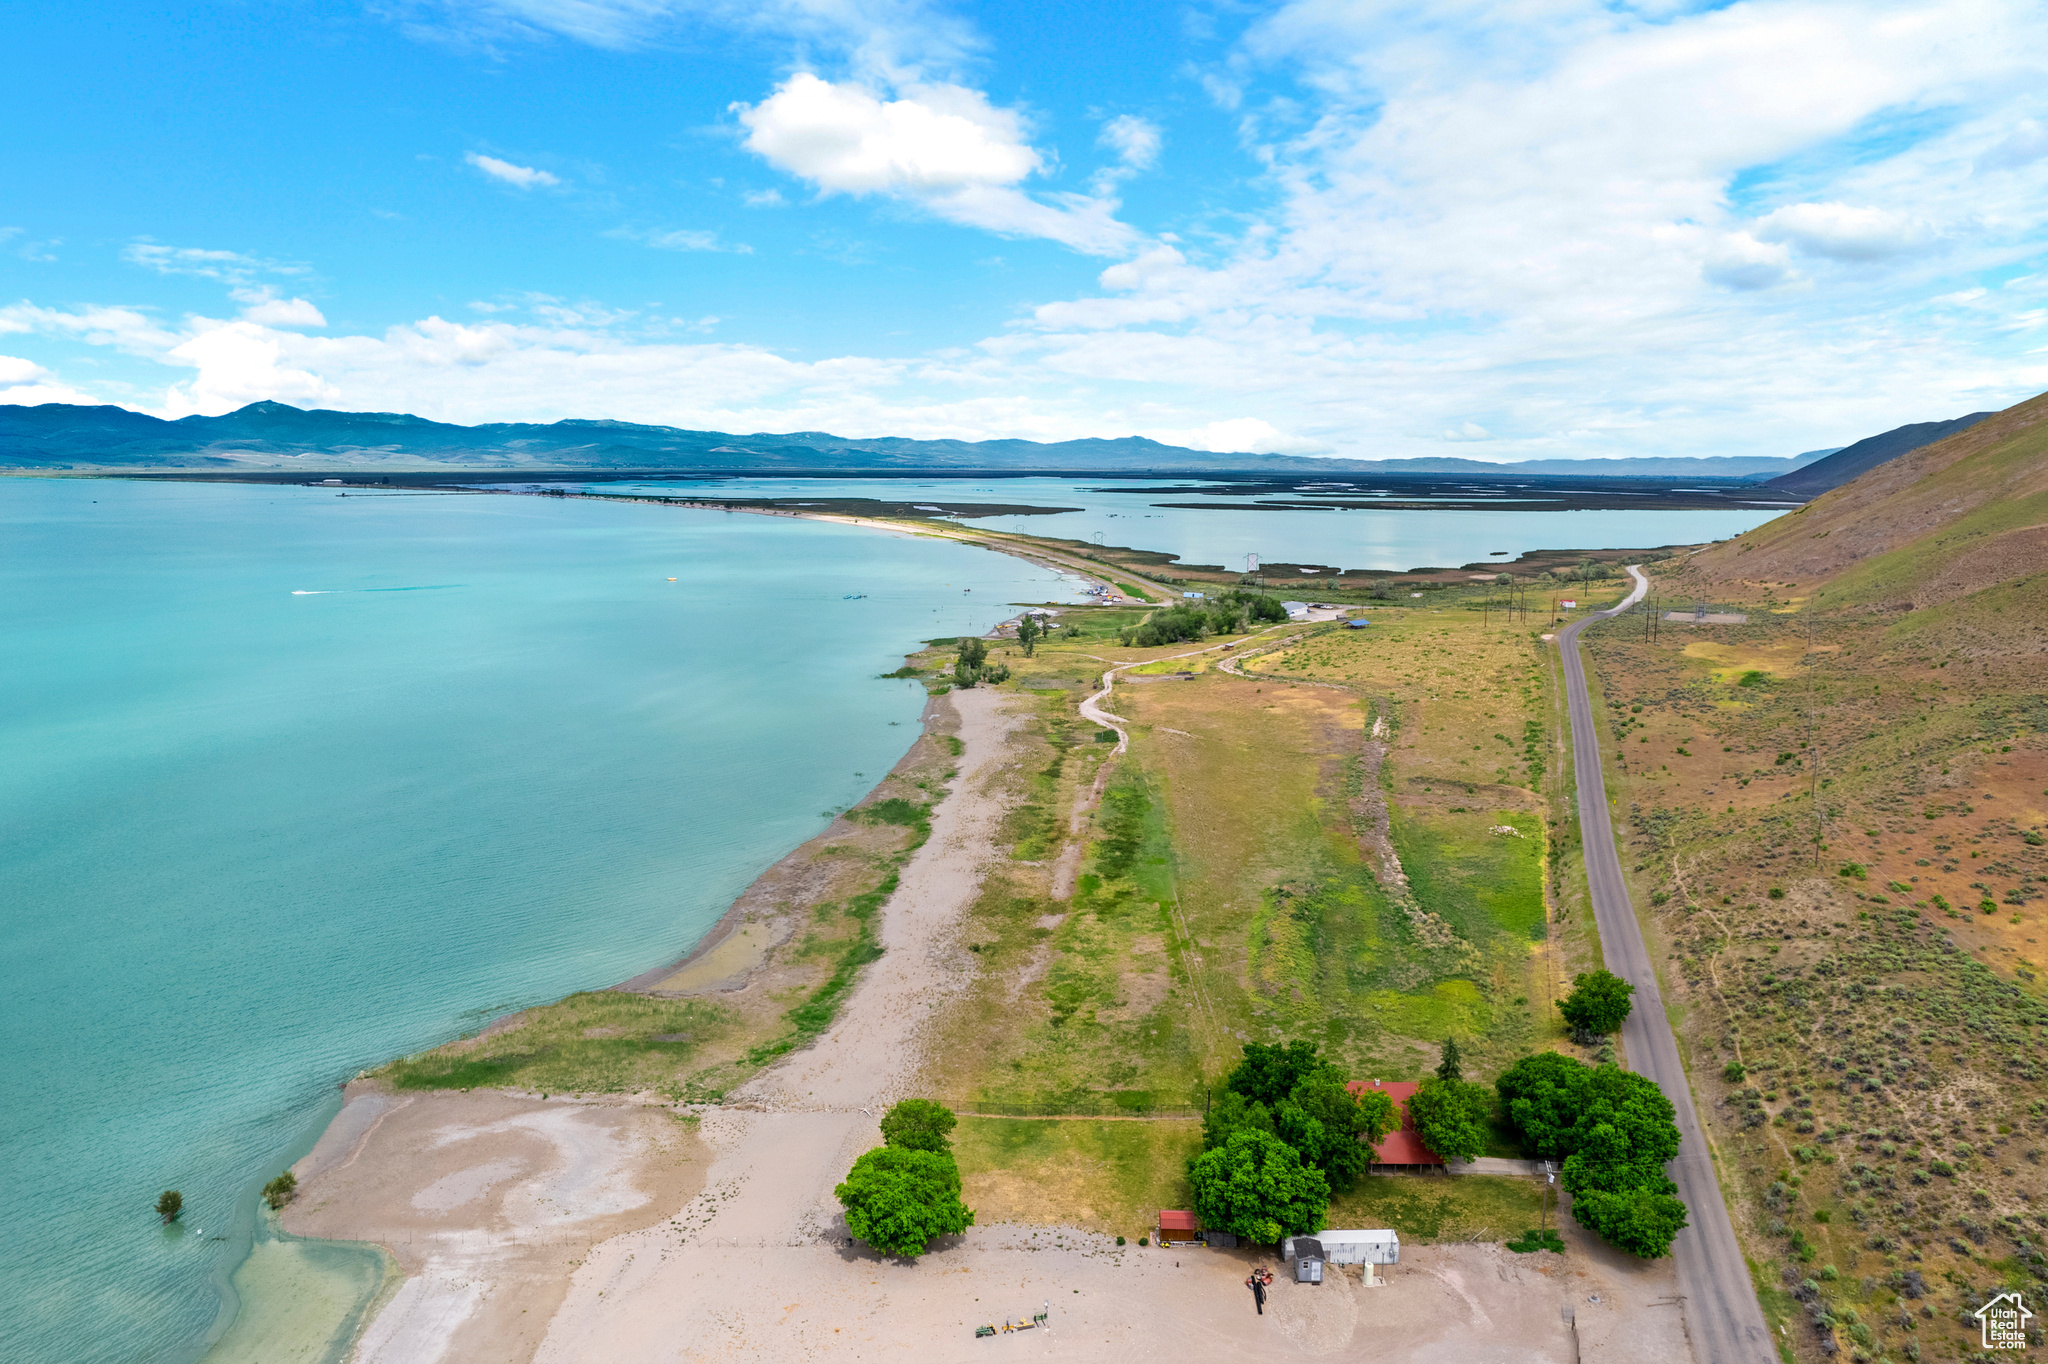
pixel 1425 1208
pixel 1107 1176
pixel 594 1042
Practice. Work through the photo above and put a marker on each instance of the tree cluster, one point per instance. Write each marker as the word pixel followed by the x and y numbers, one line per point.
pixel 1226 614
pixel 1282 1134
pixel 1615 1131
pixel 901 1195
pixel 972 665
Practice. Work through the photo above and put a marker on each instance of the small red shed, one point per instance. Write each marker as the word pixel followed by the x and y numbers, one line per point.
pixel 1178 1227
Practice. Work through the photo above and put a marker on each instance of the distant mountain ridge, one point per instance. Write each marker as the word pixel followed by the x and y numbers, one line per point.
pixel 1957 528
pixel 1853 461
pixel 270 435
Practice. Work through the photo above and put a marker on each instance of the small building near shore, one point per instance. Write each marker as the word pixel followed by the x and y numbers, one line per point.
pixel 1296 610
pixel 1179 1228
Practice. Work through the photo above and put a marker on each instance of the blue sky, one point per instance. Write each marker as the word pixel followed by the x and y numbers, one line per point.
pixel 1500 230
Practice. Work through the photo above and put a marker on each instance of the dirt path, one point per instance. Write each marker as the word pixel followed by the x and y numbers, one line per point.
pixel 1068 868
pixel 879 1045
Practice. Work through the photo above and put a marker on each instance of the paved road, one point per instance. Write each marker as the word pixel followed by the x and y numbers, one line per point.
pixel 1721 1312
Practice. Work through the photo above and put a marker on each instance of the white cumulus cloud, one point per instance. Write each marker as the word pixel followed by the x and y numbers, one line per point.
pixel 521 177
pixel 26 383
pixel 1845 232
pixel 1240 436
pixel 944 147
pixel 264 307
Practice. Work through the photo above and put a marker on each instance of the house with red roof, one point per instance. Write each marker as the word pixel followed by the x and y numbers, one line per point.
pixel 1402 1146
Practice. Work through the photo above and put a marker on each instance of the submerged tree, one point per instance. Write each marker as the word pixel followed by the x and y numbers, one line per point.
pixel 169 1204
pixel 279 1191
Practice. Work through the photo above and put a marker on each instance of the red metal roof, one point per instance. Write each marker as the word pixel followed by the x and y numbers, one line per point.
pixel 1402 1146
pixel 1170 1220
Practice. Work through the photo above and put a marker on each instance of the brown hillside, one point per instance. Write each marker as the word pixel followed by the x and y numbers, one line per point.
pixel 1942 522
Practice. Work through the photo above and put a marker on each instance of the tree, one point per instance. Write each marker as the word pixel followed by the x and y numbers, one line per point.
pixel 169 1204
pixel 967 668
pixel 898 1199
pixel 1599 1002
pixel 1256 1187
pixel 1641 1221
pixel 1269 1074
pixel 1449 1068
pixel 1232 1113
pixel 918 1125
pixel 1450 1117
pixel 1332 1129
pixel 1616 1132
pixel 1544 1095
pixel 279 1191
pixel 1028 633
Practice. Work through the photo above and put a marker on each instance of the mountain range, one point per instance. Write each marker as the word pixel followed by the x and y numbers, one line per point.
pixel 270 436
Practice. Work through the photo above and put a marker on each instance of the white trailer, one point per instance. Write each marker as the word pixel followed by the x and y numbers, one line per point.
pixel 1357 1247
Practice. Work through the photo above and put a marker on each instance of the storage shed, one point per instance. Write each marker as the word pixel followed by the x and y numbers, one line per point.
pixel 1177 1228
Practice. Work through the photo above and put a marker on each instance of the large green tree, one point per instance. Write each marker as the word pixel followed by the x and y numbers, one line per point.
pixel 919 1125
pixel 1450 1117
pixel 1268 1074
pixel 898 1199
pixel 1333 1129
pixel 1615 1131
pixel 1231 1113
pixel 1641 1220
pixel 1599 1002
pixel 1543 1094
pixel 1255 1186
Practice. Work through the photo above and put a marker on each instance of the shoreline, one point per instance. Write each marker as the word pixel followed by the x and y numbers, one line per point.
pixel 340 1140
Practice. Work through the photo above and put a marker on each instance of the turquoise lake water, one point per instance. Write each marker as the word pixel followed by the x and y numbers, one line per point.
pixel 1121 515
pixel 291 783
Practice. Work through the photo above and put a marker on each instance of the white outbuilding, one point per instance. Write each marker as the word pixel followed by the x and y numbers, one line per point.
pixel 1353 1247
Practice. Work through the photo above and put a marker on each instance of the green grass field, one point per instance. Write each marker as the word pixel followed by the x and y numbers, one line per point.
pixel 1426 1208
pixel 600 1041
pixel 1104 1175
